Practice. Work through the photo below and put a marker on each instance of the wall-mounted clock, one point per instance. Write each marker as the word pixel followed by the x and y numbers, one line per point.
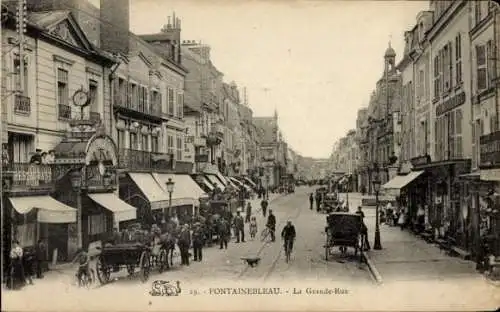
pixel 81 98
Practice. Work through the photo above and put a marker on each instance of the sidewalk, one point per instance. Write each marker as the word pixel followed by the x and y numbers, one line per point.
pixel 406 257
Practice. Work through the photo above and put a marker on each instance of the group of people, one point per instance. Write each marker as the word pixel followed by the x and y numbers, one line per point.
pixel 43 158
pixel 24 264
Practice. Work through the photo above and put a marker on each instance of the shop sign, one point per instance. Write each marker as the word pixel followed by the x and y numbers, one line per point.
pixel 201 158
pixel 490 150
pixel 420 161
pixel 450 103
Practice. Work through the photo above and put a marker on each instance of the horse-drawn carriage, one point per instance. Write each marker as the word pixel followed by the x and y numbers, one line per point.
pixel 132 255
pixel 330 202
pixel 344 230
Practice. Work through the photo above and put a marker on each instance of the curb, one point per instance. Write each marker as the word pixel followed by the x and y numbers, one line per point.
pixel 373 269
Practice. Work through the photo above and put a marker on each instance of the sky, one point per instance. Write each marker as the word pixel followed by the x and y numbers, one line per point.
pixel 315 62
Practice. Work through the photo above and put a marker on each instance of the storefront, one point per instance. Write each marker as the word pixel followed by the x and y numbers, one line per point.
pixel 86 171
pixel 489 200
pixel 408 191
pixel 440 192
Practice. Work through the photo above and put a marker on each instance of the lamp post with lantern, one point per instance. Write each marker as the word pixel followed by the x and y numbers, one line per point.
pixel 376 187
pixel 76 183
pixel 170 190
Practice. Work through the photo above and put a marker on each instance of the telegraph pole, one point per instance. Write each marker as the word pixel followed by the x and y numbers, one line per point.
pixel 21 23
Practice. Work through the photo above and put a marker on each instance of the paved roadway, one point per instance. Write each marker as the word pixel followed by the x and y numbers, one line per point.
pixel 220 268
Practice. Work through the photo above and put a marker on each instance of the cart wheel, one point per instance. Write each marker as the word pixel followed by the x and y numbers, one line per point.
pixel 130 269
pixel 145 265
pixel 162 260
pixel 103 271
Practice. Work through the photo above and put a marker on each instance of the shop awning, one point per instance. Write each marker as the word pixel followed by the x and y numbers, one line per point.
pixel 207 183
pixel 154 193
pixel 50 210
pixel 215 181
pixel 252 183
pixel 121 210
pixel 186 191
pixel 400 181
pixel 232 183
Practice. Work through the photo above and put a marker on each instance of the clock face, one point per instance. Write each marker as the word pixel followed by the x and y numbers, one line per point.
pixel 80 98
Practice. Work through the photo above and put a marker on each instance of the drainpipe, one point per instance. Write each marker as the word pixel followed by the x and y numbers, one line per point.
pixel 495 44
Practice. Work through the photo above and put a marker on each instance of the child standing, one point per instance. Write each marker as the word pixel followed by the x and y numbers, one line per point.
pixel 253 227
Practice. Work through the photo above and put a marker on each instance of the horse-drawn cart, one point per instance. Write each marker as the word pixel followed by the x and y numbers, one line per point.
pixel 344 230
pixel 130 256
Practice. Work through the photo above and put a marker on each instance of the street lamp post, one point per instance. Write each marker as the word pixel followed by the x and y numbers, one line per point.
pixel 76 182
pixel 347 191
pixel 170 189
pixel 376 187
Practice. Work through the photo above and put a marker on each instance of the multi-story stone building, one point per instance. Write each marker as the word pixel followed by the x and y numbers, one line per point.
pixel 251 155
pixel 55 95
pixel 204 113
pixel 234 146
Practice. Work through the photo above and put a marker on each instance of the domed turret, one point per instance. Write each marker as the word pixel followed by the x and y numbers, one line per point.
pixel 389 53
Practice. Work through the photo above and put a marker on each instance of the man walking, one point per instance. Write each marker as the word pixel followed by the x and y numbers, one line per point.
pixel 248 212
pixel 40 258
pixel 318 200
pixel 311 201
pixel 239 226
pixel 364 229
pixel 263 205
pixel 224 233
pixel 271 224
pixel 197 242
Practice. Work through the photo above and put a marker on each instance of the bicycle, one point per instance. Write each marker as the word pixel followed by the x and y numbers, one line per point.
pixel 266 232
pixel 288 249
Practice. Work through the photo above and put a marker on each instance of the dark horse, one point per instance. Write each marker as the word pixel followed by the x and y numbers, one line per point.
pixel 169 241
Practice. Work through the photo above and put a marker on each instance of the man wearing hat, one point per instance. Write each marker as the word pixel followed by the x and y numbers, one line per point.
pixel 184 243
pixel 239 226
pixel 197 241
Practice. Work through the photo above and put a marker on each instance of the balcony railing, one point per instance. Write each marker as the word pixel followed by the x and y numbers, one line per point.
pixel 24 176
pixel 64 111
pixel 22 104
pixel 149 109
pixel 143 160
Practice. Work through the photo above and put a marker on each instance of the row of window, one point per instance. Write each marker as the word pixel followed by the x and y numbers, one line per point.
pixel 448 142
pixel 149 143
pixel 448 67
pixel 146 100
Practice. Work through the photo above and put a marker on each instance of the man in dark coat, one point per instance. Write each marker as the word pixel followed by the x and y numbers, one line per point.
pixel 40 255
pixel 271 224
pixel 311 201
pixel 248 212
pixel 239 226
pixel 263 204
pixel 184 244
pixel 224 233
pixel 318 200
pixel 198 242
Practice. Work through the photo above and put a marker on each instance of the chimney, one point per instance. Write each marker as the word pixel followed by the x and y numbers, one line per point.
pixel 115 26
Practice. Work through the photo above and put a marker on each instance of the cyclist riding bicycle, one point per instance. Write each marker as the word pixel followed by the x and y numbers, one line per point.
pixel 271 224
pixel 288 234
pixel 83 264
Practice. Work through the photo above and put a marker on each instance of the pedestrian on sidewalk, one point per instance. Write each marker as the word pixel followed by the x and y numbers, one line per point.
pixel 248 212
pixel 224 233
pixel 198 242
pixel 364 229
pixel 311 201
pixel 263 204
pixel 40 253
pixel 16 279
pixel 239 226
pixel 184 244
